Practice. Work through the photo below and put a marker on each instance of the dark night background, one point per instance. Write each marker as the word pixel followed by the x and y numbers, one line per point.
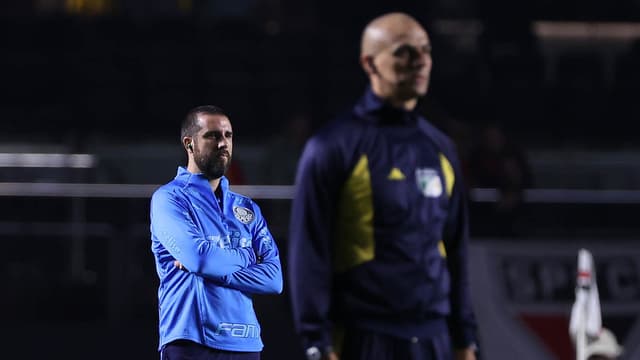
pixel 531 105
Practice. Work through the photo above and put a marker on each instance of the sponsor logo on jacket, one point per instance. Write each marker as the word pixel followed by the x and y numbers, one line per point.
pixel 238 330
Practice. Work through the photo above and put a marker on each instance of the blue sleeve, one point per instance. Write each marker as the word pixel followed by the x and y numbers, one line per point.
pixel 173 226
pixel 456 237
pixel 264 277
pixel 309 254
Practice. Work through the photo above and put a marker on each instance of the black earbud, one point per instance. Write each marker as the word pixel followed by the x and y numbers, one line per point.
pixel 190 146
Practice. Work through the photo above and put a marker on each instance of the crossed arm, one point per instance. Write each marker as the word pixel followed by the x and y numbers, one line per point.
pixel 255 269
pixel 263 277
pixel 173 226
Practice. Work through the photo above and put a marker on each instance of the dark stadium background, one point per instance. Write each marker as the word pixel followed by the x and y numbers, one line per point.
pixel 112 79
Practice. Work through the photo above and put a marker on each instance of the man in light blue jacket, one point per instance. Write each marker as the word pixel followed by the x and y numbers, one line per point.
pixel 213 251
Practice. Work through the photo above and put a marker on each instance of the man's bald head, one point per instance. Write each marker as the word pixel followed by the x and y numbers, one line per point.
pixel 383 30
pixel 396 55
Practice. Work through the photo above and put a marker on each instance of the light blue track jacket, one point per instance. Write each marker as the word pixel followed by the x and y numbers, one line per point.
pixel 230 255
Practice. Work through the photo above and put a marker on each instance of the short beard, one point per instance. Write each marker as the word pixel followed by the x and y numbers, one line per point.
pixel 213 167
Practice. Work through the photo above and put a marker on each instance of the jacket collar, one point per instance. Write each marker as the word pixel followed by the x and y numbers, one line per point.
pixel 372 108
pixel 199 180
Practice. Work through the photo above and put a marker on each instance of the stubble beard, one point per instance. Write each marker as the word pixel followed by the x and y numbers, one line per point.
pixel 212 166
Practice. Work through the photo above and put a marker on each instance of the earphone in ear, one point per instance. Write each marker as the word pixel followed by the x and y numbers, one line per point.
pixel 190 146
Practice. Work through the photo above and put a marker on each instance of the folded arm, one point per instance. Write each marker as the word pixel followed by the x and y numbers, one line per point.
pixel 173 226
pixel 263 277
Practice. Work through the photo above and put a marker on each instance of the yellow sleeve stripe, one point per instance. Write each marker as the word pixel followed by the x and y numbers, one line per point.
pixel 449 179
pixel 441 249
pixel 449 175
pixel 354 242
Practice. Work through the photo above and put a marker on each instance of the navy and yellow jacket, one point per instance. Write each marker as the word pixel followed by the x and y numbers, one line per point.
pixel 378 231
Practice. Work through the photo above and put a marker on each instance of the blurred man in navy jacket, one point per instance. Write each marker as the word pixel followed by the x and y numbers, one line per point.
pixel 378 233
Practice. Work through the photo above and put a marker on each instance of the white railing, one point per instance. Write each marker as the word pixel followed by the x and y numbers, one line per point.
pixel 284 192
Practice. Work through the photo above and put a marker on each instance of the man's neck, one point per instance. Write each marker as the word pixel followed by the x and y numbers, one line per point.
pixel 214 183
pixel 400 103
pixel 217 191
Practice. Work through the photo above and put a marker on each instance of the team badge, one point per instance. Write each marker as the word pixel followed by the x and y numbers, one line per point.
pixel 429 183
pixel 243 214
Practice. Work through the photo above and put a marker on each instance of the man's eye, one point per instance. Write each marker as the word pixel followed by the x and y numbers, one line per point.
pixel 406 50
pixel 411 51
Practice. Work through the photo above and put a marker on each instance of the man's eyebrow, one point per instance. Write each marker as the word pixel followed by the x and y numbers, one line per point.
pixel 410 47
pixel 218 132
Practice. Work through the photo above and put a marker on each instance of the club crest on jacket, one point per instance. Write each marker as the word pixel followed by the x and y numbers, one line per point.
pixel 428 181
pixel 243 214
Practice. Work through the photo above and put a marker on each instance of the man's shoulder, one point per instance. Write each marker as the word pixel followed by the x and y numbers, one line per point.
pixel 341 125
pixel 444 142
pixel 173 188
pixel 243 205
pixel 238 198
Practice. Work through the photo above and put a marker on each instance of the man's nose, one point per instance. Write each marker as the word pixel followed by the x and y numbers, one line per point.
pixel 222 142
pixel 422 60
pixel 419 58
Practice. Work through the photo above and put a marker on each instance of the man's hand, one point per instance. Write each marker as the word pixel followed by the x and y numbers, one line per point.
pixel 466 354
pixel 330 356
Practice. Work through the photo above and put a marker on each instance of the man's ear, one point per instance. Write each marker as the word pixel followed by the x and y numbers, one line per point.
pixel 368 65
pixel 187 142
